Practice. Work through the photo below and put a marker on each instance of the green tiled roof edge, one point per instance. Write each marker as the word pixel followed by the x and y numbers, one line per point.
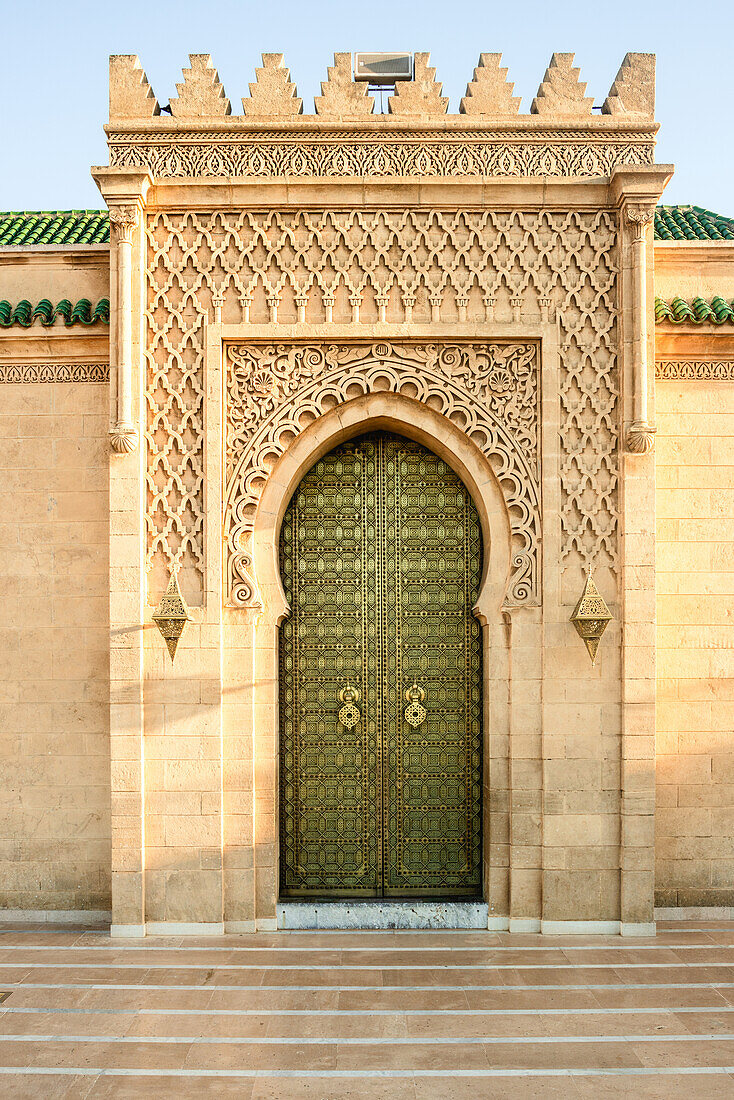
pixel 715 311
pixel 25 228
pixel 58 227
pixel 80 313
pixel 691 223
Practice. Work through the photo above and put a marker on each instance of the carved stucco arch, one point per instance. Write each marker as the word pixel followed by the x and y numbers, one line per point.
pixel 472 399
pixel 402 415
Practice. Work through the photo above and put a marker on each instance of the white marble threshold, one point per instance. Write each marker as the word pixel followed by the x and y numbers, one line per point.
pixel 382 914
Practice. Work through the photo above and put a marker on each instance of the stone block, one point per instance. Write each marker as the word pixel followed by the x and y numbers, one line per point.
pixel 201 95
pixel 130 93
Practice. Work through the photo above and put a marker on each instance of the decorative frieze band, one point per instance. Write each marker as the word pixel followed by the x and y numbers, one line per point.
pixel 213 155
pixel 721 370
pixel 54 372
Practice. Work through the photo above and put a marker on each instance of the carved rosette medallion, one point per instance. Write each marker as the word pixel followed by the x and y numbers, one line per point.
pixel 489 390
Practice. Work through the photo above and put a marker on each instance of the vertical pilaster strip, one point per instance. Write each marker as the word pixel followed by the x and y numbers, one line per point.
pixel 127 599
pixel 637 585
pixel 124 220
pixel 125 191
pixel 640 436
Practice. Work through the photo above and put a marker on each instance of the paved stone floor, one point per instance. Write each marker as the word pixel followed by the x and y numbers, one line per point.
pixel 379 1015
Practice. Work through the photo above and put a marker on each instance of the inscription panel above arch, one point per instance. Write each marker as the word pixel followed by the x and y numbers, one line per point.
pixel 488 390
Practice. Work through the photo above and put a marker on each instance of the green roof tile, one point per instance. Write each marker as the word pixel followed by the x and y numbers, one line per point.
pixel 50 227
pixel 691 223
pixel 81 313
pixel 716 311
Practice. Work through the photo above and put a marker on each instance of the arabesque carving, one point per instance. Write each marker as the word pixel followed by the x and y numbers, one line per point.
pixel 355 268
pixel 719 370
pixel 54 372
pixel 505 153
pixel 489 390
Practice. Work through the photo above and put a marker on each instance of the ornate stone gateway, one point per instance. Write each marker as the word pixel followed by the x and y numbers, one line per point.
pixel 282 283
pixel 380 677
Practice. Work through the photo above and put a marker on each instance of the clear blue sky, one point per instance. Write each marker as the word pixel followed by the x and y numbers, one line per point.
pixel 53 77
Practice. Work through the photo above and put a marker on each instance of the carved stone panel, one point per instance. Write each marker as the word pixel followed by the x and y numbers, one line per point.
pixel 489 390
pixel 499 153
pixel 356 268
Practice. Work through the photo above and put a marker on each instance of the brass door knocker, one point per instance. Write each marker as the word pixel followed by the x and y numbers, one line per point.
pixel 348 712
pixel 415 712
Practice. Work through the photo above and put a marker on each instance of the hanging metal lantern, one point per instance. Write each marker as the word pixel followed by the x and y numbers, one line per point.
pixel 591 617
pixel 172 614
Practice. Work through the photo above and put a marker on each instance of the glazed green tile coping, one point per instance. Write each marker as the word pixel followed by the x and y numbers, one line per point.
pixel 691 223
pixel 26 314
pixel 59 227
pixel 715 311
pixel 54 227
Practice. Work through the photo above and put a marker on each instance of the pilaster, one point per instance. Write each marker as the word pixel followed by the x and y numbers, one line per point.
pixel 125 193
pixel 637 192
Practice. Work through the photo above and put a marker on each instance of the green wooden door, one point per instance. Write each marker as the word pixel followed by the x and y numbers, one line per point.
pixel 380 678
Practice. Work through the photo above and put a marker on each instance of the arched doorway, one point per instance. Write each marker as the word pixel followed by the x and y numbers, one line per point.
pixel 381 678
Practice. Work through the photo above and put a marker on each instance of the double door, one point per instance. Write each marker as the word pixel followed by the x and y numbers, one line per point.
pixel 380 678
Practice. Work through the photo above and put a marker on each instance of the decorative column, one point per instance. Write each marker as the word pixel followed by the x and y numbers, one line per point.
pixel 640 435
pixel 124 435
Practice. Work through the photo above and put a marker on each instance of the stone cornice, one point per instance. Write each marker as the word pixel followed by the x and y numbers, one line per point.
pixel 391 147
pixel 377 127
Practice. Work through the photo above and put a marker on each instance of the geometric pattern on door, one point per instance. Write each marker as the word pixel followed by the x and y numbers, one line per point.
pixel 381 678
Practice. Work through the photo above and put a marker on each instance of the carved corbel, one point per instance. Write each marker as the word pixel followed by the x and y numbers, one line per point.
pixel 123 221
pixel 640 435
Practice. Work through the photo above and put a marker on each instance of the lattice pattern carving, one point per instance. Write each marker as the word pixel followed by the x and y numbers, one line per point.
pixel 489 390
pixel 356 267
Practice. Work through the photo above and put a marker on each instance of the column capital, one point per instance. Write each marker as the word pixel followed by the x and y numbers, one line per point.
pixel 638 215
pixel 124 218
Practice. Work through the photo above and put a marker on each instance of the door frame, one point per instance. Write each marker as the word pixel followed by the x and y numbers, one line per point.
pixel 377 411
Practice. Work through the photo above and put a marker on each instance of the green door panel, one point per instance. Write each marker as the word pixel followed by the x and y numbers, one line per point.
pixel 380 678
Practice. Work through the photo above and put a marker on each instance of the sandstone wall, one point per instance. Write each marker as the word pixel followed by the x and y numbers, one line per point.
pixel 695 629
pixel 54 591
pixel 54 740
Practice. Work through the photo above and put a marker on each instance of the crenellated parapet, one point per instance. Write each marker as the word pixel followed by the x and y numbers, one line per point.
pixel 563 134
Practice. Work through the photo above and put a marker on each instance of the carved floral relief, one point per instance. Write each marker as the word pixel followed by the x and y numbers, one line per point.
pixel 489 390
